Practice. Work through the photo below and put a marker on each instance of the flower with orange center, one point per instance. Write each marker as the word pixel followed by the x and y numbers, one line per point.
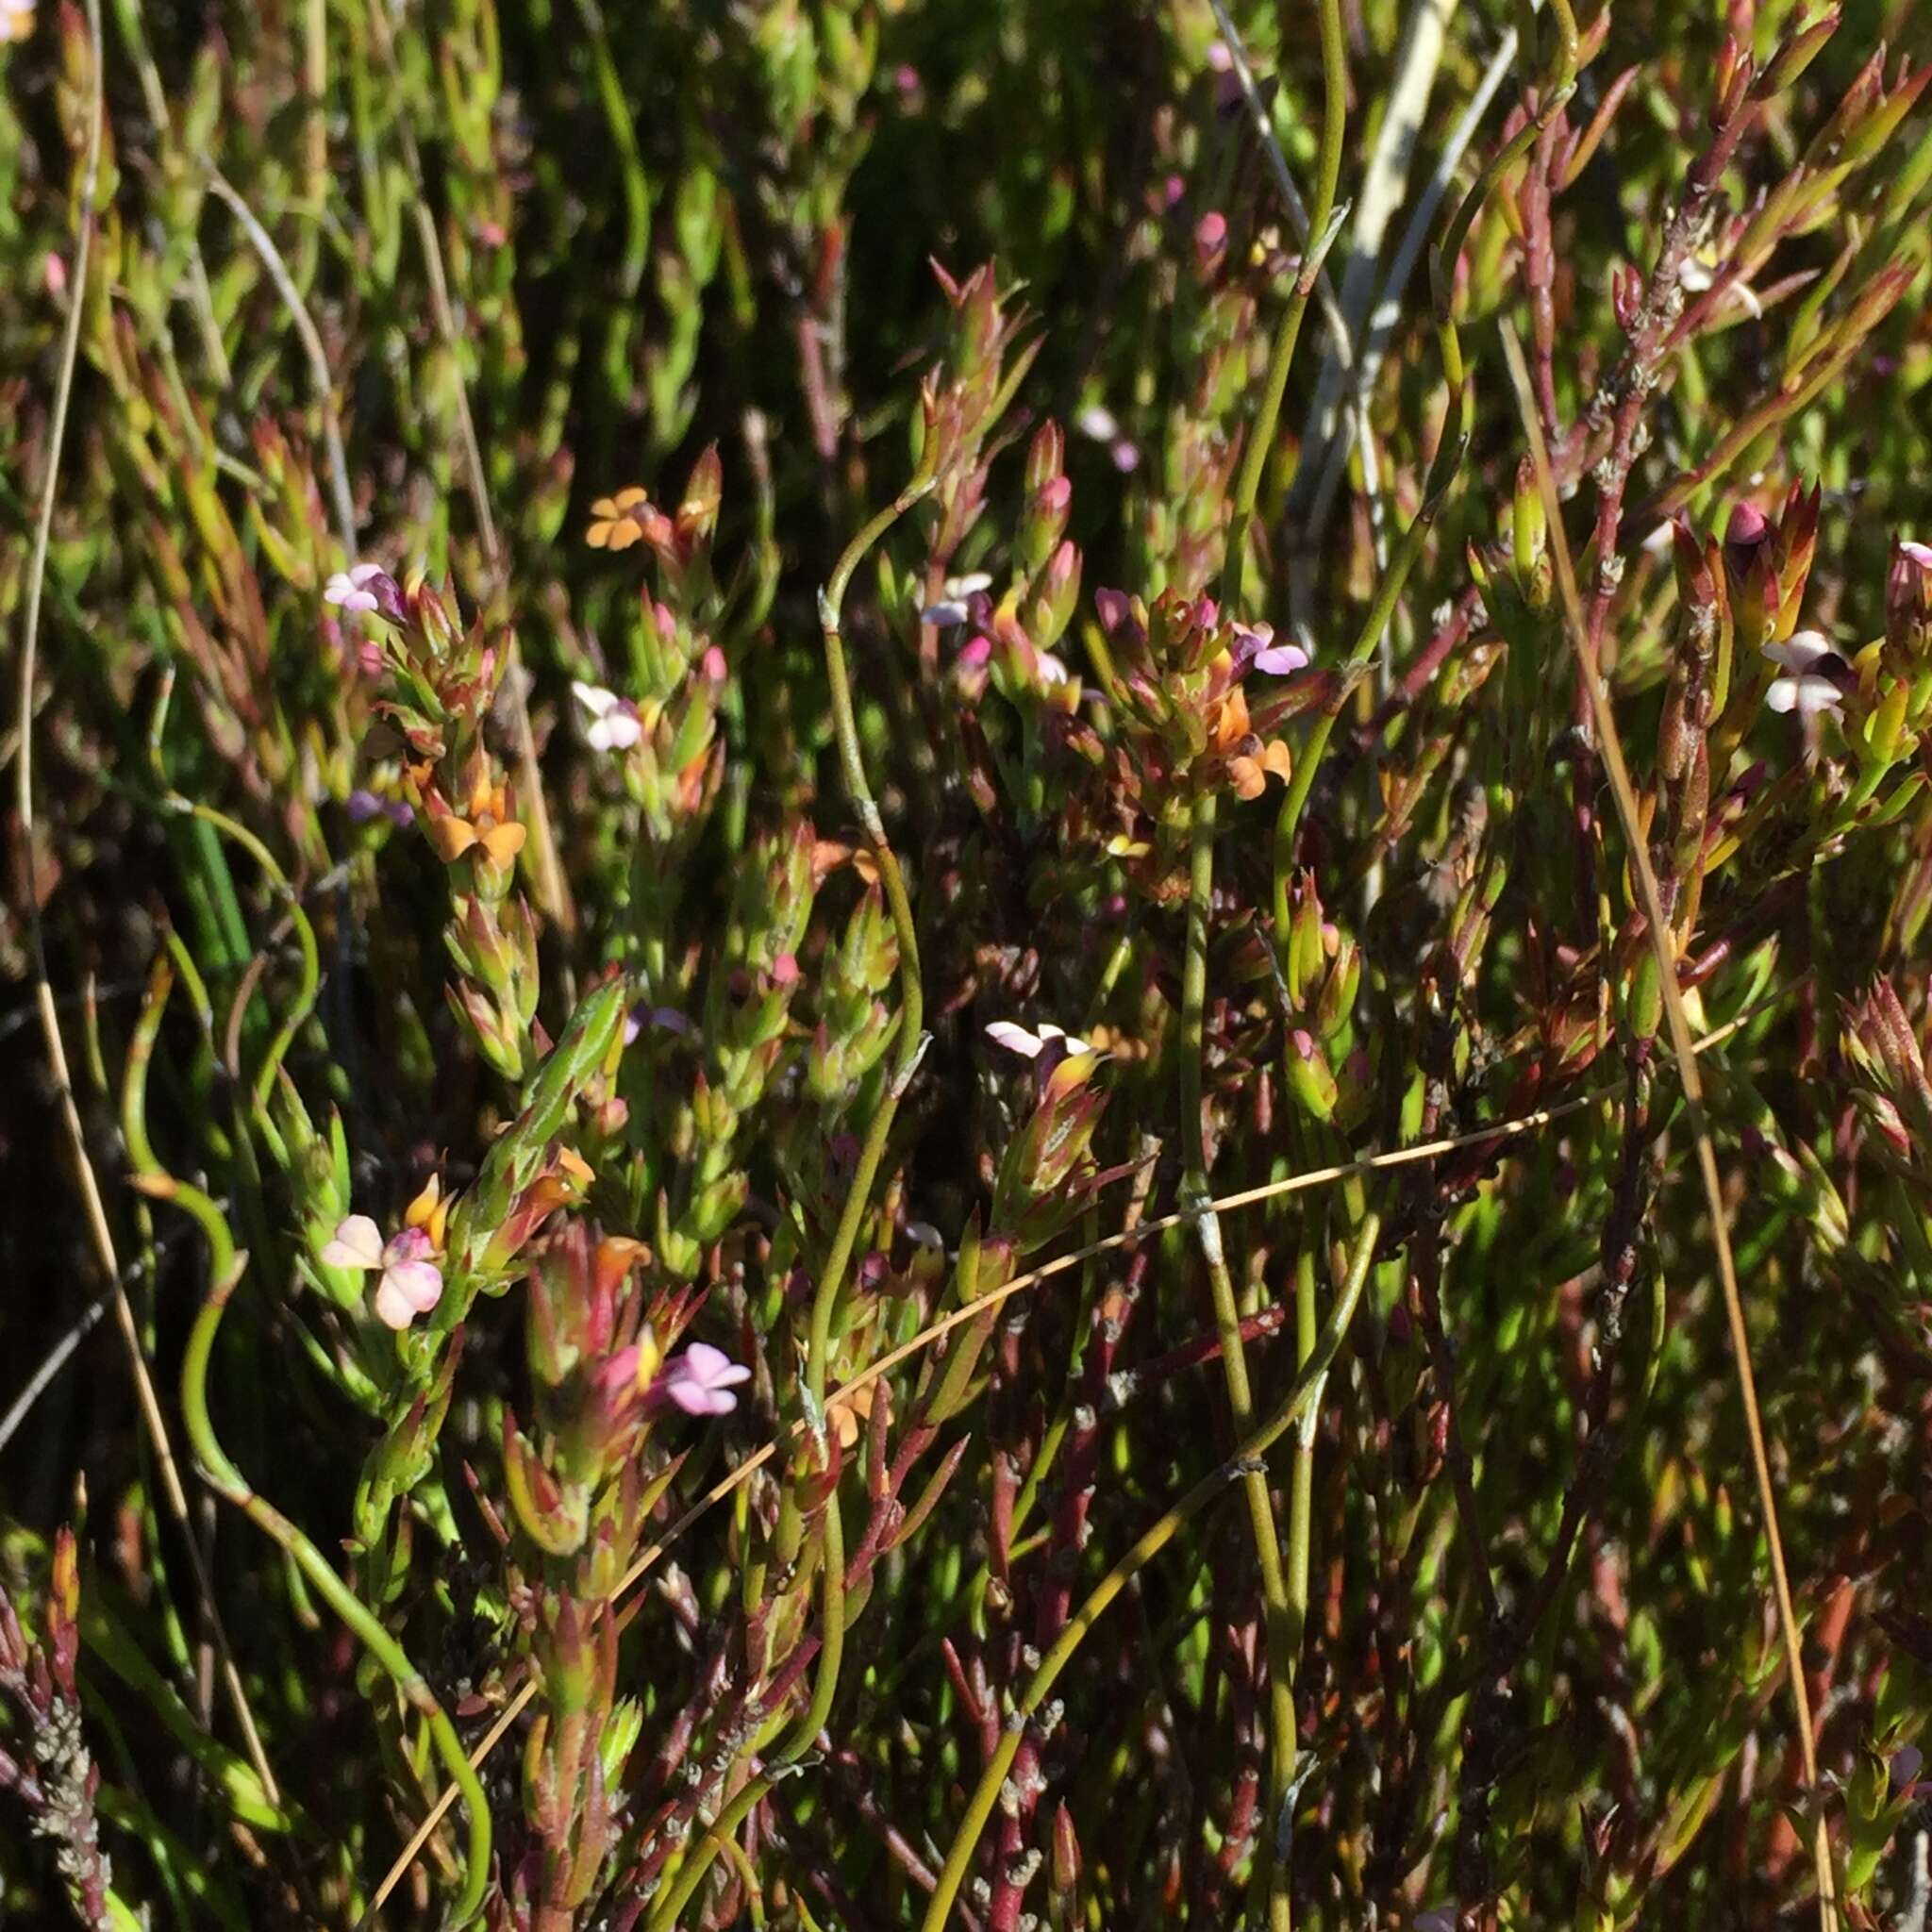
pixel 617 522
pixel 486 821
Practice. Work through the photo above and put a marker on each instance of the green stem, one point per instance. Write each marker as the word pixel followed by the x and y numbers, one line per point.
pixel 1301 1507
pixel 692 1874
pixel 1302 1395
pixel 910 1047
pixel 1227 1321
pixel 225 1266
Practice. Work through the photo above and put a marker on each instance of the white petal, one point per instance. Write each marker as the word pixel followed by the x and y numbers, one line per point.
pixel 593 697
pixel 358 1243
pixel 973 580
pixel 1808 696
pixel 1008 1034
pixel 1800 651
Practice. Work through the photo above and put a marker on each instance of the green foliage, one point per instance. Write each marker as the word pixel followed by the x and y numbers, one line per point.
pixel 731 706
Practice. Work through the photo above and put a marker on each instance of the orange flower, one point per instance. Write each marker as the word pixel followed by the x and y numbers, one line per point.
pixel 1231 721
pixel 487 824
pixel 617 525
pixel 848 1413
pixel 1249 775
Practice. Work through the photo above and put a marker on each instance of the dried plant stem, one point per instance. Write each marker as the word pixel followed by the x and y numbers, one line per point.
pixel 1684 1049
pixel 735 1479
pixel 1301 1397
pixel 1447 464
pixel 147 1398
pixel 264 246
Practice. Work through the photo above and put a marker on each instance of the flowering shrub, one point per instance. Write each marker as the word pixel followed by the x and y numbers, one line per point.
pixel 988 947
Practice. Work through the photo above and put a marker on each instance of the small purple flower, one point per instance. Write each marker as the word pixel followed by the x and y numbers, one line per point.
pixel 1258 650
pixel 615 723
pixel 363 586
pixel 364 805
pixel 1816 678
pixel 700 1380
pixel 1906 1762
pixel 946 615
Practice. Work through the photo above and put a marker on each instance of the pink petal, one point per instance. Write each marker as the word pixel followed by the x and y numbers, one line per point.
pixel 357 1243
pixel 366 574
pixel 713 1367
pixel 1278 661
pixel 411 1245
pixel 1920 554
pixel 417 1285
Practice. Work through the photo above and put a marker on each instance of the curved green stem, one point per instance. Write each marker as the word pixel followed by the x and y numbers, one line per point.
pixel 692 1873
pixel 227 1265
pixel 910 1047
pixel 1302 1395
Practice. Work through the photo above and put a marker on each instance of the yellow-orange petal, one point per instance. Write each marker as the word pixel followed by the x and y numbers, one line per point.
pixel 630 498
pixel 1245 775
pixel 418 1212
pixel 598 536
pixel 452 837
pixel 623 536
pixel 503 843
pixel 1276 758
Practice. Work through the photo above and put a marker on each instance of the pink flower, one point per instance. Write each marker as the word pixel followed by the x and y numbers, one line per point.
pixel 364 587
pixel 1816 678
pixel 1920 554
pixel 700 1380
pixel 615 723
pixel 411 1283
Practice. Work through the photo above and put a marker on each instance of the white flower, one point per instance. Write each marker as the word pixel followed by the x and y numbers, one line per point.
pixel 1016 1038
pixel 1814 678
pixel 1097 421
pixel 615 723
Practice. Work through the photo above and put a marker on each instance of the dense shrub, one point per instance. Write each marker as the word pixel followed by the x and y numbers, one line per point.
pixel 992 1030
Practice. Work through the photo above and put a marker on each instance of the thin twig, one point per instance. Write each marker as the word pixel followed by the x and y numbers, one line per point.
pixel 1684 1049
pixel 153 1419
